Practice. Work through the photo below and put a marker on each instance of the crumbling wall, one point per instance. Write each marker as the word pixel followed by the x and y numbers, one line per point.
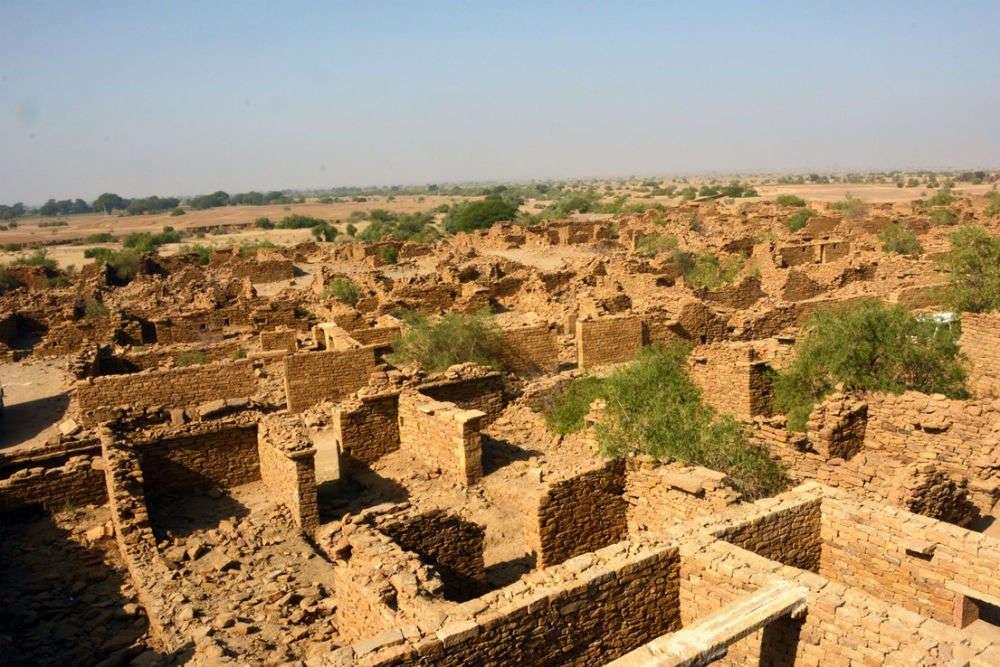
pixel 582 513
pixel 661 495
pixel 214 456
pixel 981 343
pixel 366 428
pixel 453 545
pixel 530 350
pixel 608 340
pixel 279 339
pixel 287 466
pixel 312 377
pixel 78 481
pixel 608 603
pixel 175 387
pixel 442 434
pixel 836 427
pixel 731 382
pixel 470 387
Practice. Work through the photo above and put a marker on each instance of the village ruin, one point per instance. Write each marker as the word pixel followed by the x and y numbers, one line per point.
pixel 292 497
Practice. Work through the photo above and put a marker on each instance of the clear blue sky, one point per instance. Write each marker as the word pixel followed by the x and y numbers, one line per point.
pixel 186 97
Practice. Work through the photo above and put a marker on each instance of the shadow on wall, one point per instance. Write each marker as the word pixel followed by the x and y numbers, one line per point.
pixel 70 614
pixel 359 488
pixel 23 421
pixel 507 572
pixel 499 454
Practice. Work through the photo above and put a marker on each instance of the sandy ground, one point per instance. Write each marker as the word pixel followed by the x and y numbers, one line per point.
pixel 35 400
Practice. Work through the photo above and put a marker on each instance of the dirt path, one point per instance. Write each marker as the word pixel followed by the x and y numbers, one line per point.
pixel 35 400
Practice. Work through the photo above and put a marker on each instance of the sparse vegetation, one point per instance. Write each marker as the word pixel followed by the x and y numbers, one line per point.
pixel 852 207
pixel 799 219
pixel 944 216
pixel 389 254
pixel 437 343
pixel 94 309
pixel 203 251
pixel 297 221
pixel 652 407
pixel 706 271
pixel 899 238
pixel 481 214
pixel 191 358
pixel 790 201
pixel 650 245
pixel 869 346
pixel 973 264
pixel 343 290
pixel 53 223
pixel 249 248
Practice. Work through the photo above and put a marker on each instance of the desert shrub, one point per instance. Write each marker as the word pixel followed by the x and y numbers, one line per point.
pixel 944 216
pixel 992 203
pixel 649 245
pixel 351 229
pixel 203 251
pixel 799 219
pixel 480 214
pixel 250 248
pixel 94 309
pixel 852 207
pixel 973 264
pixel 343 290
pixel 389 254
pixel 869 346
pixel 942 198
pixel 706 271
pixel 53 223
pixel 38 258
pixel 146 242
pixel 263 223
pixel 654 408
pixel 100 237
pixel 178 212
pixel 415 227
pixel 297 221
pixel 898 237
pixel 790 201
pixel 325 232
pixel 191 358
pixel 437 343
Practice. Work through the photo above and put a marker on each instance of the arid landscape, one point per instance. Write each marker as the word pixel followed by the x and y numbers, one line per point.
pixel 746 420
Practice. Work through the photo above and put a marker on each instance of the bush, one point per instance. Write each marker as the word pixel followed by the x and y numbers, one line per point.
pixel 297 221
pixel 250 248
pixel 974 267
pixel 869 346
pixel 798 220
pixel 351 229
pixel 177 211
pixel 993 204
pixel 655 409
pixel 389 254
pixel 343 290
pixel 203 251
pixel 101 237
pixel 790 201
pixel 263 223
pixel 650 245
pixel 53 223
pixel 481 214
pixel 146 242
pixel 191 358
pixel 944 216
pixel 437 343
pixel 852 207
pixel 94 309
pixel 325 232
pixel 898 237
pixel 38 258
pixel 706 271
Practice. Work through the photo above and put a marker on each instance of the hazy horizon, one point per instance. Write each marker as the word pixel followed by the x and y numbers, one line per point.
pixel 200 96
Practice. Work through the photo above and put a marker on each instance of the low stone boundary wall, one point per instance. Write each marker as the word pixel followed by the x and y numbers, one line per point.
pixel 79 481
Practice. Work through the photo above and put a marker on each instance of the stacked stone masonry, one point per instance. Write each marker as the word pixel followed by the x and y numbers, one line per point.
pixel 313 377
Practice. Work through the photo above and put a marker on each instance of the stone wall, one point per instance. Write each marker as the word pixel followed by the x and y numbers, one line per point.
pixel 442 434
pixel 837 426
pixel 730 380
pixel 453 545
pixel 280 339
pixel 582 513
pixel 159 356
pixel 214 456
pixel 470 387
pixel 607 603
pixel 78 481
pixel 287 466
pixel 312 377
pixel 661 495
pixel 176 387
pixel 366 428
pixel 906 559
pixel 981 343
pixel 530 350
pixel 607 340
pixel 789 535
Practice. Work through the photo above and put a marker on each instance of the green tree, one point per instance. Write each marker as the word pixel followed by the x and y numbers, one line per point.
pixel 109 202
pixel 973 264
pixel 899 238
pixel 437 343
pixel 869 346
pixel 480 214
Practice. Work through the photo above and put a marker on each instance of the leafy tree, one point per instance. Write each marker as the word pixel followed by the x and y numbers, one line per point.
pixel 11 212
pixel 109 202
pixel 898 237
pixel 343 290
pixel 652 407
pixel 790 201
pixel 437 343
pixel 324 231
pixel 974 267
pixel 214 200
pixel 481 214
pixel 297 221
pixel 869 346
